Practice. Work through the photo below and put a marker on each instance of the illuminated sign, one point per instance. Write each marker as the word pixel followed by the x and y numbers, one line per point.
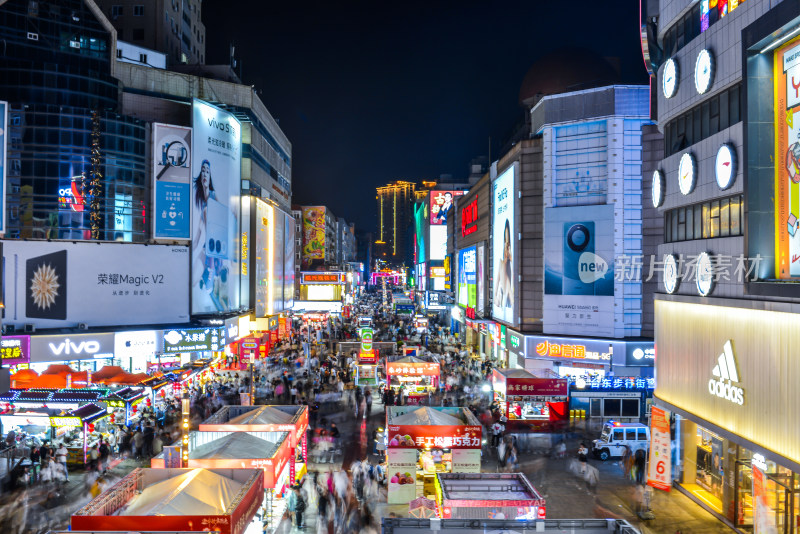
pixel 687 173
pixel 366 339
pixel 616 383
pixel 725 371
pixel 670 78
pixel 15 349
pixel 671 279
pixel 191 340
pixel 558 350
pixel 725 166
pixel 703 71
pixel 65 421
pixel 469 218
pixel 412 369
pixel 321 278
pixel 658 189
pixel 704 274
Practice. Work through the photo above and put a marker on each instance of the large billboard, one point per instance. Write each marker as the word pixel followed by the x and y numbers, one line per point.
pixel 579 270
pixel 480 277
pixel 787 159
pixel 504 247
pixel 313 235
pixel 172 182
pixel 278 233
pixel 442 206
pixel 420 212
pixel 216 189
pixel 467 270
pixel 3 158
pixel 263 258
pixel 288 261
pixel 61 284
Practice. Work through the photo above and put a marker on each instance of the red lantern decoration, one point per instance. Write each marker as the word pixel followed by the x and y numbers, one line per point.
pixel 162 393
pixel 134 408
pixel 113 417
pixel 148 401
pixel 90 427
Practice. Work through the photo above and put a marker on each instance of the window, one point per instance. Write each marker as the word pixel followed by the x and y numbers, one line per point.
pixel 705 119
pixel 142 58
pixel 642 434
pixel 138 10
pixel 716 218
pixel 630 407
pixel 119 53
pixel 116 11
pixel 630 434
pixel 619 433
pixel 138 34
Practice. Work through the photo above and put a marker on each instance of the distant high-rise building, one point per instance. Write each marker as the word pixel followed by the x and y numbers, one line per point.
pixel 172 27
pixel 395 209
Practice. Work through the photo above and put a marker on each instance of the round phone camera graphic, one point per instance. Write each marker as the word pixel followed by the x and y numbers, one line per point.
pixel 578 237
pixel 582 267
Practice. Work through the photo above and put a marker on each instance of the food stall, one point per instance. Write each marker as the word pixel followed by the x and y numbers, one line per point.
pixel 487 496
pixel 123 403
pixel 82 429
pixel 423 441
pixel 414 377
pixel 266 418
pixel 532 401
pixel 420 324
pixel 176 500
pixel 368 369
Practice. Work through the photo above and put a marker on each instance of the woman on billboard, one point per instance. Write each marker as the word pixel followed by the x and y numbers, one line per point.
pixel 208 268
pixel 504 290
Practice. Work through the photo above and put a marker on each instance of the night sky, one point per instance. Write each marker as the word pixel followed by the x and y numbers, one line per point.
pixel 369 92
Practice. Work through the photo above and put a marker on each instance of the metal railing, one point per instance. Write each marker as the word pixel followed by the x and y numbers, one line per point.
pixel 115 497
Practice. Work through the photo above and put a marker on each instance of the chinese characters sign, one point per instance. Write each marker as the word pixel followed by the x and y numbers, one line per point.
pixel 15 349
pixel 412 369
pixel 191 340
pixel 439 436
pixel 322 278
pixel 659 472
pixel 558 350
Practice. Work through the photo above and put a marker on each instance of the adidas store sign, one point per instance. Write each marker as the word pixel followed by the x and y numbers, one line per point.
pixel 725 371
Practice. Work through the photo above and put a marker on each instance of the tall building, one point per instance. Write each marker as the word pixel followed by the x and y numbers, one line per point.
pixel 727 188
pixel 395 203
pixel 172 27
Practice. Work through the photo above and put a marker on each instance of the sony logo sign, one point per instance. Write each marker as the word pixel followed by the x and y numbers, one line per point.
pixel 69 347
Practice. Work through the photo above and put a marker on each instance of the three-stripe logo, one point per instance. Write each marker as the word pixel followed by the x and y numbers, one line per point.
pixel 725 370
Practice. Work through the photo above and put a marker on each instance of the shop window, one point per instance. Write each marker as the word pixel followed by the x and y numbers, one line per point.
pixel 630 407
pixel 717 218
pixel 703 120
pixel 595 410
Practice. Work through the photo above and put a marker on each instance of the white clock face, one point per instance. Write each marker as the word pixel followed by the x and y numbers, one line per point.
pixel 658 188
pixel 670 78
pixel 686 174
pixel 725 166
pixel 704 274
pixel 671 278
pixel 703 71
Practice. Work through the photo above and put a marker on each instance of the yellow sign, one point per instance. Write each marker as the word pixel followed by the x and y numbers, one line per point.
pixel 65 421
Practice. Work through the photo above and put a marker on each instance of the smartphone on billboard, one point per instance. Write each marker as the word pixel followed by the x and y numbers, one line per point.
pixel 578 239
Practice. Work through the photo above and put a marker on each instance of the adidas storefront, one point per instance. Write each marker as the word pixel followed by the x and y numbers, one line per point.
pixel 729 378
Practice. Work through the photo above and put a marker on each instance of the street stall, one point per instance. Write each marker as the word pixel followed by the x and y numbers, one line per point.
pixel 81 429
pixel 193 500
pixel 123 404
pixel 412 377
pixel 487 496
pixel 367 369
pixel 532 401
pixel 266 418
pixel 420 324
pixel 423 441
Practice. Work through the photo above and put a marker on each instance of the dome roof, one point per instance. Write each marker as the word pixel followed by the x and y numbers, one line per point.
pixel 564 70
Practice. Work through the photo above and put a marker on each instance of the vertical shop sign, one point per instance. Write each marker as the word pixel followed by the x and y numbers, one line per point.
pixel 763 519
pixel 659 471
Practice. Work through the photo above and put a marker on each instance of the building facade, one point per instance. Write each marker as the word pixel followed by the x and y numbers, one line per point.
pixel 172 27
pixel 395 210
pixel 725 312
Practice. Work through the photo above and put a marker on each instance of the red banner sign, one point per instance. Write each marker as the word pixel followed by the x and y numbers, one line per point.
pixel 469 217
pixel 436 436
pixel 412 369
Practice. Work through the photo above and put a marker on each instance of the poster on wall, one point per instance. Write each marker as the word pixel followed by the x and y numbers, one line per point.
pixel 504 249
pixel 466 461
pixel 262 258
pixel 3 157
pixel 276 245
pixel 245 253
pixel 579 270
pixel 215 199
pixel 401 472
pixel 763 515
pixel 47 284
pixel 787 158
pixel 467 268
pixel 441 206
pixel 313 235
pixel 659 467
pixel 172 182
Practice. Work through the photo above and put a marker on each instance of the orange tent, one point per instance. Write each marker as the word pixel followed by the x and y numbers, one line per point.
pixel 78 379
pixel 58 369
pixel 22 378
pixel 108 371
pixel 49 382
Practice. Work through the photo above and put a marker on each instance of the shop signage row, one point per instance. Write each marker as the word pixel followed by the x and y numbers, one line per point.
pixel 413 368
pixel 616 383
pixel 627 353
pixel 441 436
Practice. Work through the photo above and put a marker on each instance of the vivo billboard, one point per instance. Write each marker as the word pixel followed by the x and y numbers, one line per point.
pixel 71 347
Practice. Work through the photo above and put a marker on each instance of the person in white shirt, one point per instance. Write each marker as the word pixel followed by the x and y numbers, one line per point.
pixel 61 459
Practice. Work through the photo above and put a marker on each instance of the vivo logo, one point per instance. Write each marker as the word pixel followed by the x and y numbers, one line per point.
pixel 69 347
pixel 233 331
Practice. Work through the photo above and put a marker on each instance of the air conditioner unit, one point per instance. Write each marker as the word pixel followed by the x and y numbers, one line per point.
pixel 29 328
pixel 33 36
pixel 83 326
pixel 9 329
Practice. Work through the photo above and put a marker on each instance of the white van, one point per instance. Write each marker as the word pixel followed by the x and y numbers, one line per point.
pixel 616 436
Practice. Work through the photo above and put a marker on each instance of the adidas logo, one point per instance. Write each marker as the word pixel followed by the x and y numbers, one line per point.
pixel 725 370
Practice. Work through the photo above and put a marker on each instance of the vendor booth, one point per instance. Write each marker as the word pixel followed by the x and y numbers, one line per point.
pixel 367 369
pixel 531 402
pixel 413 377
pixel 421 442
pixel 278 418
pixel 82 429
pixel 487 496
pixel 123 404
pixel 193 500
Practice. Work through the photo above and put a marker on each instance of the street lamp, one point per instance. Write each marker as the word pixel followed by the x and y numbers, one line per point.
pixel 185 403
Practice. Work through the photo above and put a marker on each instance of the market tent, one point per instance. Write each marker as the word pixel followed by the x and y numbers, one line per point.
pixel 426 416
pixel 22 378
pixel 197 492
pixel 78 379
pixel 49 382
pixel 236 445
pixel 108 371
pixel 58 369
pixel 265 415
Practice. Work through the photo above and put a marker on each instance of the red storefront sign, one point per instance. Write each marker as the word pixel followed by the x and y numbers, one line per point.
pixel 412 369
pixel 437 436
pixel 537 387
pixel 469 217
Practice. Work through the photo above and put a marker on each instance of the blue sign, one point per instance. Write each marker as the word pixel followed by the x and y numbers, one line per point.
pixel 616 383
pixel 172 174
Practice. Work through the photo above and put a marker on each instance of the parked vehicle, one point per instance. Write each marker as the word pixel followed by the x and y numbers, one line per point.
pixel 616 436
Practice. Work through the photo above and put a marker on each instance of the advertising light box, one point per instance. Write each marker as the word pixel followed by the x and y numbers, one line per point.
pixel 579 270
pixel 48 284
pixel 172 181
pixel 191 340
pixel 313 235
pixel 504 251
pixel 216 189
pixel 467 269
